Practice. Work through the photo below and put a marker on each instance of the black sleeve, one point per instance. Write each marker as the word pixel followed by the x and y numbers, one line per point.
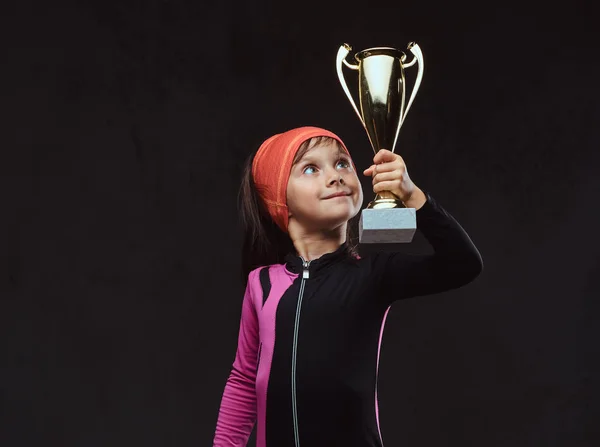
pixel 454 263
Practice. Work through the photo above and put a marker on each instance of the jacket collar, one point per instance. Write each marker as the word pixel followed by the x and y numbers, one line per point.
pixel 294 263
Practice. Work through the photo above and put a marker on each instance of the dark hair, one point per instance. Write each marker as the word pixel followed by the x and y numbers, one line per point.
pixel 264 243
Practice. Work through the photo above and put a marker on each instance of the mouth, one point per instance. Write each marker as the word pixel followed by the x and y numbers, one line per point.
pixel 337 194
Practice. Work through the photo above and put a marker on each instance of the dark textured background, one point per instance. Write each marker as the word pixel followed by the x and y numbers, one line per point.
pixel 125 126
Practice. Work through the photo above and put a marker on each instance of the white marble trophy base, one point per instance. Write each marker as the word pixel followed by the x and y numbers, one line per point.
pixel 387 226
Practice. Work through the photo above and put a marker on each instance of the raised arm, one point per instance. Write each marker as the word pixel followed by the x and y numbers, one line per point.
pixel 454 263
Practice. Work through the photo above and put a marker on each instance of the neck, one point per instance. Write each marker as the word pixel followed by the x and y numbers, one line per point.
pixel 315 244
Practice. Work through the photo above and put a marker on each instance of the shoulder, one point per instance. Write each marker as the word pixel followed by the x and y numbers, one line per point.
pixel 253 283
pixel 367 257
pixel 255 273
pixel 367 261
pixel 263 274
pixel 378 261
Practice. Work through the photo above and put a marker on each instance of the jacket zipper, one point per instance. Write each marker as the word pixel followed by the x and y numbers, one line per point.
pixel 305 276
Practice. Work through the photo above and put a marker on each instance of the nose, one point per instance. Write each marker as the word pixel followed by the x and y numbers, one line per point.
pixel 336 177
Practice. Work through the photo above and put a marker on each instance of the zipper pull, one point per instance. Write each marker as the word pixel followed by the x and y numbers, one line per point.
pixel 305 272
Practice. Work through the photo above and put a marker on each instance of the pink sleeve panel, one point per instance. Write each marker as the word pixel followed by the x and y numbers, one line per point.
pixel 237 414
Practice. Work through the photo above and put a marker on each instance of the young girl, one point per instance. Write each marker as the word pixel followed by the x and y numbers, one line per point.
pixel 313 312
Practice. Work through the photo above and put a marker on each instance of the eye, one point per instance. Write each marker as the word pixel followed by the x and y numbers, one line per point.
pixel 307 168
pixel 344 163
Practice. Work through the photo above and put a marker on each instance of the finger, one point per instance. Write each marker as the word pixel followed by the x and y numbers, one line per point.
pixel 383 156
pixel 392 185
pixel 387 157
pixel 390 166
pixel 370 170
pixel 388 176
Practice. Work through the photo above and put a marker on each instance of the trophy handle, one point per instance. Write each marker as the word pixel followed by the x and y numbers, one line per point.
pixel 341 59
pixel 418 57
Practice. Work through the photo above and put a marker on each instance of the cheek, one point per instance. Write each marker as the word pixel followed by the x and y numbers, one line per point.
pixel 290 197
pixel 352 179
pixel 359 202
pixel 299 196
pixel 359 191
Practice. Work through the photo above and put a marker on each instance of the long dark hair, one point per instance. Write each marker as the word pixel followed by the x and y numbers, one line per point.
pixel 264 243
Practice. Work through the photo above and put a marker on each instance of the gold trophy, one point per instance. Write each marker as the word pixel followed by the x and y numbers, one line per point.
pixel 382 93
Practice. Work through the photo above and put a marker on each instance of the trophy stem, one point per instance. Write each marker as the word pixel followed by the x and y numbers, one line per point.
pixel 385 199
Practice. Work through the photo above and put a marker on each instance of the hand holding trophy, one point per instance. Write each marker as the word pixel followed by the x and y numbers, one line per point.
pixel 382 93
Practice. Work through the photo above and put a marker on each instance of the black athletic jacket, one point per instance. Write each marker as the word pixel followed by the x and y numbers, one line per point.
pixel 310 333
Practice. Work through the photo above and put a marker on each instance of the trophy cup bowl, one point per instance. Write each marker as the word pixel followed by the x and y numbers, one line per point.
pixel 383 107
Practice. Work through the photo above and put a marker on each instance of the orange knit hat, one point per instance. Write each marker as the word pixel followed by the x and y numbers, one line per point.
pixel 272 165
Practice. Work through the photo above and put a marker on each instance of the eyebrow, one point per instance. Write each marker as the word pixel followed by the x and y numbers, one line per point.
pixel 307 158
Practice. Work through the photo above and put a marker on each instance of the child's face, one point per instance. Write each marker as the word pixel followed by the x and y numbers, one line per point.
pixel 323 171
